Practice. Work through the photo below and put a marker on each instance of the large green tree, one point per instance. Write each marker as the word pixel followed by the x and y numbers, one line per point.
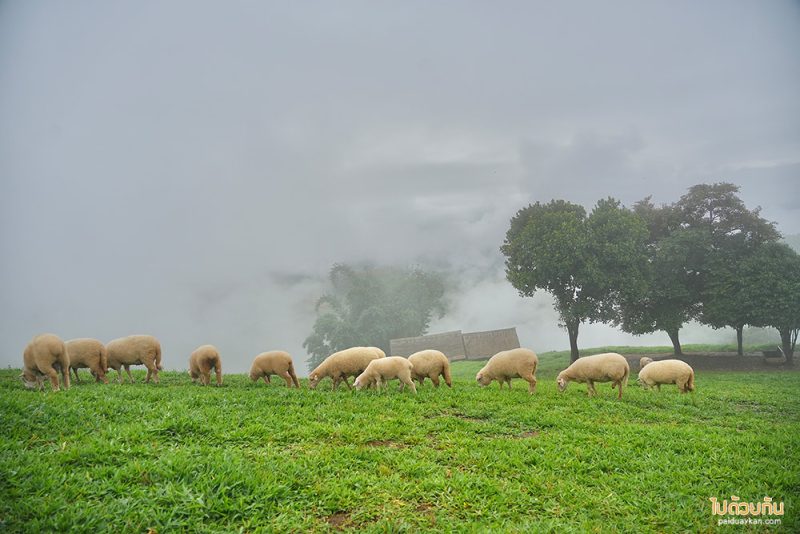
pixel 585 262
pixel 772 292
pixel 729 234
pixel 666 299
pixel 369 306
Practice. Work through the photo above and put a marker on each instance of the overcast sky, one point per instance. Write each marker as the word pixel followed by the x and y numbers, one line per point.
pixel 192 169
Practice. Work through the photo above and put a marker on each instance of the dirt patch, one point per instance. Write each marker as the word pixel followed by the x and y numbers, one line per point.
pixel 339 520
pixel 530 434
pixel 385 443
pixel 716 361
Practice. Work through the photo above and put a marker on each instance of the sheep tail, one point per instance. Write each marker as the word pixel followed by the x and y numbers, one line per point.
pixel 625 376
pixel 158 357
pixel 690 382
pixel 446 373
pixel 293 375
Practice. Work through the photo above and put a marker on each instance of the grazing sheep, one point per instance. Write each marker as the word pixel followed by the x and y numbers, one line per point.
pixel 606 367
pixel 508 364
pixel 644 361
pixel 343 364
pixel 88 353
pixel 135 350
pixel 276 362
pixel 381 370
pixel 430 364
pixel 45 356
pixel 660 372
pixel 201 361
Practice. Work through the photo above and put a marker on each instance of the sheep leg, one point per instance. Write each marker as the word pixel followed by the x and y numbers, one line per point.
pixel 435 380
pixel 591 389
pixel 658 387
pixel 500 382
pixel 219 375
pixel 421 379
pixel 406 380
pixel 531 383
pixel 51 373
pixel 266 379
pixel 346 383
pixel 336 380
pixel 508 381
pixel 119 374
pixel 77 378
pixel 128 370
pixel 286 376
pixel 619 395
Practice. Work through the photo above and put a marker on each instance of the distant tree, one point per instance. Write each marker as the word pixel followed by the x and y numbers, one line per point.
pixel 585 263
pixel 667 297
pixel 773 292
pixel 371 305
pixel 731 233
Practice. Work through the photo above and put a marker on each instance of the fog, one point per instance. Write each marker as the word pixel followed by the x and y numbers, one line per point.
pixel 193 169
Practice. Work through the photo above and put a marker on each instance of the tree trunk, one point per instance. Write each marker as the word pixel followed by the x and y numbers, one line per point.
pixel 739 347
pixel 572 330
pixel 676 343
pixel 786 345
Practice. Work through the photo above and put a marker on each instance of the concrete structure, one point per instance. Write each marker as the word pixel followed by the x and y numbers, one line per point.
pixel 483 345
pixel 457 345
pixel 450 343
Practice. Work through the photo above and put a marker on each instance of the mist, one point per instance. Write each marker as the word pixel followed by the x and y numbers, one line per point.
pixel 192 170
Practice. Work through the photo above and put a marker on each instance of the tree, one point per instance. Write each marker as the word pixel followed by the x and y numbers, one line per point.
pixel 585 263
pixel 773 292
pixel 731 235
pixel 369 306
pixel 666 299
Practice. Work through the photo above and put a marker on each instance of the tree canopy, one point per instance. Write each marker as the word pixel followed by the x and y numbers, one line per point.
pixel 368 306
pixel 583 261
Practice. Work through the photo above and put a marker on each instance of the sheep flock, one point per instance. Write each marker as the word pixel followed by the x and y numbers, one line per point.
pixel 46 356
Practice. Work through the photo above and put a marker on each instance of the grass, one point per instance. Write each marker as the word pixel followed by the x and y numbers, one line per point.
pixel 250 457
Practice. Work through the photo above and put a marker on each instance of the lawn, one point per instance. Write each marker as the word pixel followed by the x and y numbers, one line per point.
pixel 251 457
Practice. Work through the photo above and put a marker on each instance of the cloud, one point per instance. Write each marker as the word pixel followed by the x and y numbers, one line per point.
pixel 193 169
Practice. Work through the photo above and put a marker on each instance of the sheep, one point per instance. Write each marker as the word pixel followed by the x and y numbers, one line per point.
pixel 88 353
pixel 431 364
pixel 135 350
pixel 343 364
pixel 606 367
pixel 381 370
pixel 508 364
pixel 276 362
pixel 655 373
pixel 644 361
pixel 201 361
pixel 45 356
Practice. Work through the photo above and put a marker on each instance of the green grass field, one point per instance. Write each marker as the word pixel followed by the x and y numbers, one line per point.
pixel 250 457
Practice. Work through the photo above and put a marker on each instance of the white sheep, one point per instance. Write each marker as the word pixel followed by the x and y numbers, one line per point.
pixel 644 361
pixel 430 364
pixel 655 373
pixel 276 362
pixel 381 370
pixel 606 367
pixel 88 353
pixel 135 350
pixel 45 356
pixel 201 361
pixel 508 364
pixel 343 364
